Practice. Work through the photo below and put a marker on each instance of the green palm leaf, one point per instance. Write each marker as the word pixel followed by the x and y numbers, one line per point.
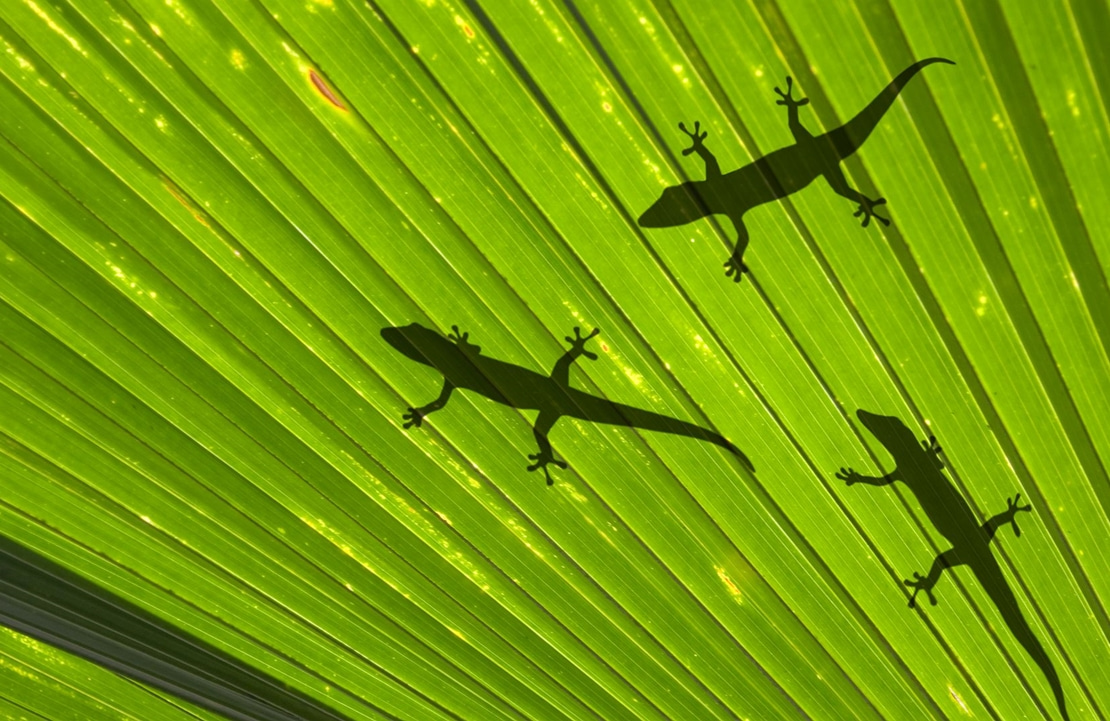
pixel 212 506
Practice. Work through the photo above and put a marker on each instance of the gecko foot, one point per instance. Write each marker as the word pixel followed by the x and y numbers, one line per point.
pixel 414 417
pixel 462 340
pixel 697 137
pixel 578 343
pixel 542 459
pixel 848 475
pixel 735 268
pixel 787 98
pixel 1012 509
pixel 918 584
pixel 933 449
pixel 867 210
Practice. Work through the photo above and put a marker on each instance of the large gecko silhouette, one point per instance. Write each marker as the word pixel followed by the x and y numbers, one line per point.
pixel 777 174
pixel 463 366
pixel 919 467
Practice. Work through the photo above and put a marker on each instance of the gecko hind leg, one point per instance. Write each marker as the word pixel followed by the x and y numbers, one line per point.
pixel 839 184
pixel 941 563
pixel 544 456
pixel 735 266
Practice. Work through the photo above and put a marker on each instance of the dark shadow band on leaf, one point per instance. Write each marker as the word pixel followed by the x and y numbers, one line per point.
pixel 47 602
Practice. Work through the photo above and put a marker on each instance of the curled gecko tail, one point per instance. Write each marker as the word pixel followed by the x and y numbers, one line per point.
pixel 728 446
pixel 849 137
pixel 694 431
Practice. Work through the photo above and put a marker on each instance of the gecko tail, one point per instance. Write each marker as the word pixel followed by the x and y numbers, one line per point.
pixel 990 576
pixel 850 136
pixel 622 415
pixel 1037 652
pixel 728 446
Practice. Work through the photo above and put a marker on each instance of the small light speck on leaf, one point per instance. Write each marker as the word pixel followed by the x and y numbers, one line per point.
pixel 1074 106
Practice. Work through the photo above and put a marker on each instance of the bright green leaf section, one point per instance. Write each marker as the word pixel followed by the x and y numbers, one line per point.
pixel 210 210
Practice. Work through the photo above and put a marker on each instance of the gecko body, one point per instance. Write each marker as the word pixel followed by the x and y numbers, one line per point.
pixel 464 367
pixel 778 173
pixel 920 467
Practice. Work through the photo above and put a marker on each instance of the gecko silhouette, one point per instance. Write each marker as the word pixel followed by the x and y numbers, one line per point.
pixel 463 366
pixel 919 467
pixel 777 174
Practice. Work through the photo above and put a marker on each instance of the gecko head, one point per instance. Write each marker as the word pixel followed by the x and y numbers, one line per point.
pixel 413 341
pixel 895 436
pixel 678 205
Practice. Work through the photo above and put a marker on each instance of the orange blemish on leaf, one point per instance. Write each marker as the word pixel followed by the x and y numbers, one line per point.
pixel 184 200
pixel 733 589
pixel 322 86
pixel 467 30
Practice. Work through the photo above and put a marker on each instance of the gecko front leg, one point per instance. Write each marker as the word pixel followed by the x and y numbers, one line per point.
pixel 462 340
pixel 561 372
pixel 851 477
pixel 697 137
pixel 798 130
pixel 415 415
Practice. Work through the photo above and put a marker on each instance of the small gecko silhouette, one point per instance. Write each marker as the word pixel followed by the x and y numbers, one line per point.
pixel 919 467
pixel 777 174
pixel 463 366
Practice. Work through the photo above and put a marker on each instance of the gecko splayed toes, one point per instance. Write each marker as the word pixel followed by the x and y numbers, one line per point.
pixel 777 174
pixel 464 367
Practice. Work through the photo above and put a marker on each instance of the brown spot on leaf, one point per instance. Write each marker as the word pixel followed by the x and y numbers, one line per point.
pixel 468 30
pixel 325 90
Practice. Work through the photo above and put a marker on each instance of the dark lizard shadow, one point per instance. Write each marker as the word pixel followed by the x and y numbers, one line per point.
pixel 45 601
pixel 463 366
pixel 778 173
pixel 919 467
